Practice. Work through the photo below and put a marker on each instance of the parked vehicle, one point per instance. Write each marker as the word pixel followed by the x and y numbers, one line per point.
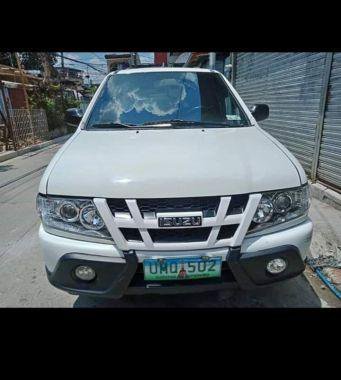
pixel 169 185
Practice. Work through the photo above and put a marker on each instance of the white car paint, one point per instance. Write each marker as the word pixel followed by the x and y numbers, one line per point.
pixel 171 163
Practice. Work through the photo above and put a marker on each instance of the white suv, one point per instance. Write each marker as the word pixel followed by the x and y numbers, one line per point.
pixel 169 185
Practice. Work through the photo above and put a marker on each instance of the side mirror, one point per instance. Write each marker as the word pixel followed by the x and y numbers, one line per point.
pixel 260 111
pixel 73 116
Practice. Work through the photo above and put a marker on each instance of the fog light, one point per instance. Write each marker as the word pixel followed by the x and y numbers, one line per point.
pixel 85 273
pixel 276 266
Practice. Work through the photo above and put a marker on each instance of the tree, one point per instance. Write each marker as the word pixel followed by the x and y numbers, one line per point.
pixel 36 61
pixel 7 58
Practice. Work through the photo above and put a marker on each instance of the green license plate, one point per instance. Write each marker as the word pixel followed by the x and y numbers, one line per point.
pixel 187 268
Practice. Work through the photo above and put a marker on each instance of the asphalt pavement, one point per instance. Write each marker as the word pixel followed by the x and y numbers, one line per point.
pixel 23 281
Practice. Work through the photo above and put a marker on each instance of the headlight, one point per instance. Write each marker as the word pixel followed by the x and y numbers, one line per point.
pixel 264 211
pixel 78 216
pixel 280 206
pixel 90 218
pixel 68 211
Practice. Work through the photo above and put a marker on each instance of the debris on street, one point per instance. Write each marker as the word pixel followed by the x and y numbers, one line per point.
pixel 328 269
pixel 324 261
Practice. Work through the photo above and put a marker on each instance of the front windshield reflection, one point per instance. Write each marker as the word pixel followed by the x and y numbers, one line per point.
pixel 140 98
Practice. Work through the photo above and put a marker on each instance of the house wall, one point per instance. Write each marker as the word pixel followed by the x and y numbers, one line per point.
pixel 160 58
pixel 17 97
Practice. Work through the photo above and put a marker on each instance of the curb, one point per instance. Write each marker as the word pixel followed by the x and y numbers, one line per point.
pixel 325 194
pixel 12 154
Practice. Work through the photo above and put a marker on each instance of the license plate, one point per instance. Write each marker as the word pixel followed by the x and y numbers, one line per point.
pixel 187 268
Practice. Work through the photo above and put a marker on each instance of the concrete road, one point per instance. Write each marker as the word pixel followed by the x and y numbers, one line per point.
pixel 23 280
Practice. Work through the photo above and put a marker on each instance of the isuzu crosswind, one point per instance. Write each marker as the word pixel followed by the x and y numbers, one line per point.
pixel 169 185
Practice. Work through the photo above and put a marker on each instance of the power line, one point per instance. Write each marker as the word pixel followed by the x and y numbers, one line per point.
pixel 100 58
pixel 84 63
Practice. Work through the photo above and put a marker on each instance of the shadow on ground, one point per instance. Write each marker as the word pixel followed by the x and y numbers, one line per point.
pixel 295 292
pixel 4 168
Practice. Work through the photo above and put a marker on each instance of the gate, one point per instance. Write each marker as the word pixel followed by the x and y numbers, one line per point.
pixel 303 91
pixel 28 127
pixel 329 157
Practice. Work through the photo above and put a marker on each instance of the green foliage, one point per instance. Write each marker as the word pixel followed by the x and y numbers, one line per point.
pixel 52 106
pixel 32 60
pixel 92 89
pixel 49 98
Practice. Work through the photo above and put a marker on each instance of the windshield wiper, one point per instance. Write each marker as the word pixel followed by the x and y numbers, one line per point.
pixel 173 122
pixel 180 122
pixel 113 125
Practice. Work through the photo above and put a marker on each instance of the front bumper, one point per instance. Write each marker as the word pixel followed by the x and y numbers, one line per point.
pixel 121 273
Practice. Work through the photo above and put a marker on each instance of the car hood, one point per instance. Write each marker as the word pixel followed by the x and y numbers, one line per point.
pixel 170 163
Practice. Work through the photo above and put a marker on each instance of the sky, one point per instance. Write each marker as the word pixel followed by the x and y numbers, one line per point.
pixel 97 60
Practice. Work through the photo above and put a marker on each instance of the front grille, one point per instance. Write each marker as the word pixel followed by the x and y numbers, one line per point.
pixel 131 234
pixel 208 205
pixel 134 224
pixel 226 232
pixel 117 205
pixel 237 204
pixel 179 235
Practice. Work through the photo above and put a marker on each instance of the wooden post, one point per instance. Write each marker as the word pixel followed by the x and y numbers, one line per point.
pixel 23 80
pixel 9 121
pixel 60 81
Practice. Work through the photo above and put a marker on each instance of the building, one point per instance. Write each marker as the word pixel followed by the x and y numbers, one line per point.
pixel 201 59
pixel 70 76
pixel 303 91
pixel 19 126
pixel 166 58
pixel 195 59
pixel 12 88
pixel 120 61
pixel 160 58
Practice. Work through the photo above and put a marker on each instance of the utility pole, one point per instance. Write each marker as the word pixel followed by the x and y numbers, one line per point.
pixel 212 57
pixel 23 80
pixel 46 65
pixel 60 79
pixel 10 59
pixel 62 59
pixel 234 66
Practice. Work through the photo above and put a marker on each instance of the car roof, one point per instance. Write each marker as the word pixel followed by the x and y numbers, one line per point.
pixel 163 69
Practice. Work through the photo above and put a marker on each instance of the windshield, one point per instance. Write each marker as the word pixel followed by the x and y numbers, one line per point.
pixel 182 98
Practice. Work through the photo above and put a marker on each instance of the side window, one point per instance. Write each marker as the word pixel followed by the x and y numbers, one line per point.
pixel 218 104
pixel 232 111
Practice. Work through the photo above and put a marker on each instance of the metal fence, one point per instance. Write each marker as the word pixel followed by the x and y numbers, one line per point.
pixel 28 127
pixel 303 91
